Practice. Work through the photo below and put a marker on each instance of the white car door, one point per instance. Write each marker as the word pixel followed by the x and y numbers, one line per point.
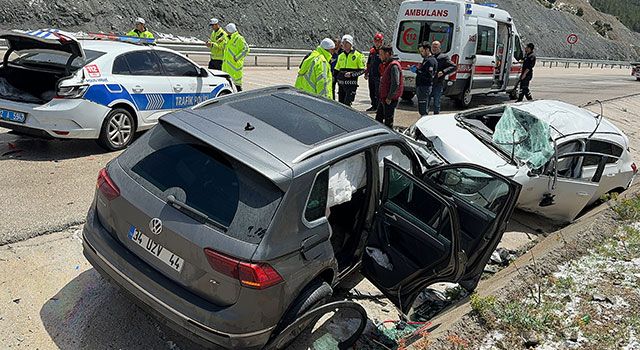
pixel 485 62
pixel 561 192
pixel 141 75
pixel 190 86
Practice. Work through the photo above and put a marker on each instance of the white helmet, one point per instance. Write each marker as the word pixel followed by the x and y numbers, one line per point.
pixel 140 20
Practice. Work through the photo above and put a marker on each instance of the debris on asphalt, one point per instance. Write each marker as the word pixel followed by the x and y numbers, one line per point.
pixel 17 300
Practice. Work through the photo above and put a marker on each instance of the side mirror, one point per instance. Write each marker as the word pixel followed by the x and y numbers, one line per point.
pixel 452 179
pixel 203 72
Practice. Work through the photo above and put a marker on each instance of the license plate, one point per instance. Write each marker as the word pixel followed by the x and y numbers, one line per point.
pixel 12 116
pixel 155 249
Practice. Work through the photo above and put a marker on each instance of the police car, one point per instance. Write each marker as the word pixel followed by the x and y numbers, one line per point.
pixel 55 85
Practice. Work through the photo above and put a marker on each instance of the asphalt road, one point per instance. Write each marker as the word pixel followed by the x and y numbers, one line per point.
pixel 50 297
pixel 48 185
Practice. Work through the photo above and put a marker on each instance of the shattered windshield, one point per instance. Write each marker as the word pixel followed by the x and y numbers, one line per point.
pixel 524 136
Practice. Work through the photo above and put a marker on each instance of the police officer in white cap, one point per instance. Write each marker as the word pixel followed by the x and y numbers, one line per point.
pixel 217 44
pixel 351 64
pixel 314 75
pixel 140 31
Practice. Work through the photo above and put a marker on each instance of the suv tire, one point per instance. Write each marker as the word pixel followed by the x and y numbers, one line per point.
pixel 118 130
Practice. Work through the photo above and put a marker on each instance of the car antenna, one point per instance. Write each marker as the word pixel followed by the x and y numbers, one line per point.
pixel 249 127
pixel 600 116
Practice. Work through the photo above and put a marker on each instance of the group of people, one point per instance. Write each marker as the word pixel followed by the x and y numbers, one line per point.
pixel 228 47
pixel 337 62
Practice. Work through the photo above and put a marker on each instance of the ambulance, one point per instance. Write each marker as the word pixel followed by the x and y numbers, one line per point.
pixel 481 39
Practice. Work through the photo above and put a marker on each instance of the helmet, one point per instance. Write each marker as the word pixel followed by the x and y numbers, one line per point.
pixel 378 36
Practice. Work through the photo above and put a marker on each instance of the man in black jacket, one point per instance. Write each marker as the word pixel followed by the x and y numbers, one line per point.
pixel 445 67
pixel 425 74
pixel 527 72
pixel 372 73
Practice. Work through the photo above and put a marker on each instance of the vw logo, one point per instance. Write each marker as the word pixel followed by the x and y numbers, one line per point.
pixel 156 226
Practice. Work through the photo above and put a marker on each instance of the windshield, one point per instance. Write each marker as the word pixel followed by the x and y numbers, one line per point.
pixel 54 58
pixel 524 136
pixel 412 33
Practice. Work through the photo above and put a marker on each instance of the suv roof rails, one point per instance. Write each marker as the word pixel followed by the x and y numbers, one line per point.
pixel 339 142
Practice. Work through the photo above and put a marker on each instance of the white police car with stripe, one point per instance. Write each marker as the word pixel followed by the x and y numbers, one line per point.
pixel 55 85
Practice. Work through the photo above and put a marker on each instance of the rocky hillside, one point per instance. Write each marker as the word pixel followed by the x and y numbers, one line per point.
pixel 298 23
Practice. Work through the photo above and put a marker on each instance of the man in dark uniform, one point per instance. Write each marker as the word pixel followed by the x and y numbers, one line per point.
pixel 425 75
pixel 527 72
pixel 445 67
pixel 372 73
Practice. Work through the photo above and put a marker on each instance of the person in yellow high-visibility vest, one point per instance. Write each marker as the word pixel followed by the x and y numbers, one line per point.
pixel 234 55
pixel 314 75
pixel 217 44
pixel 351 64
pixel 140 31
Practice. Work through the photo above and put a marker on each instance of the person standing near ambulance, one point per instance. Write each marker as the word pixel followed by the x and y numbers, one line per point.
pixel 351 65
pixel 314 75
pixel 425 75
pixel 391 87
pixel 527 72
pixel 445 67
pixel 234 54
pixel 372 73
pixel 217 44
pixel 140 31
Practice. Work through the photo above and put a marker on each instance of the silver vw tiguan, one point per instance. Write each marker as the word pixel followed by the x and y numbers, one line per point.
pixel 231 219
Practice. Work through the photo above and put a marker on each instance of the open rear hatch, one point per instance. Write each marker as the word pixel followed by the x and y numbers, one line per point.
pixel 46 39
pixel 190 212
pixel 35 62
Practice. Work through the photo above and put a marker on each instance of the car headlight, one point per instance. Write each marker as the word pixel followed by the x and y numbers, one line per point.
pixel 72 91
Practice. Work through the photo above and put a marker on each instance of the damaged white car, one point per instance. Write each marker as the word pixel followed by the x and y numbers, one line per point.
pixel 565 157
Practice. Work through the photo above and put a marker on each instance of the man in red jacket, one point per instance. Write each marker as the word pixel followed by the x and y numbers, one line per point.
pixel 391 86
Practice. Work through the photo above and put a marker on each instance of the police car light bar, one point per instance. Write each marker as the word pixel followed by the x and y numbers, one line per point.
pixel 468 10
pixel 121 38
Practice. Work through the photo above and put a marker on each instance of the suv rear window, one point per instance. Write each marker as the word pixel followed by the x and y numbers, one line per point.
pixel 167 161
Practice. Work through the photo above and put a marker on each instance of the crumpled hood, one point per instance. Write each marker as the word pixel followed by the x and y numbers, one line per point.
pixel 457 145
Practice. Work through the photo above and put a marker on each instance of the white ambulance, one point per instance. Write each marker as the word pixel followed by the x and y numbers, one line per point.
pixel 481 39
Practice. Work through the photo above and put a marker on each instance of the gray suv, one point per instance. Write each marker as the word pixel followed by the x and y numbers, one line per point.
pixel 233 218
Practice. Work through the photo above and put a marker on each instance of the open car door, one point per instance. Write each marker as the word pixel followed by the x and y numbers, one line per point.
pixel 563 190
pixel 484 203
pixel 414 240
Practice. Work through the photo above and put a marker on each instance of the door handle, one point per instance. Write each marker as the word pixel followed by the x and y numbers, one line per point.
pixel 137 89
pixel 177 88
pixel 582 194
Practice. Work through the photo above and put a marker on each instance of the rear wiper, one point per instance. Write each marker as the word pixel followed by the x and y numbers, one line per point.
pixel 193 212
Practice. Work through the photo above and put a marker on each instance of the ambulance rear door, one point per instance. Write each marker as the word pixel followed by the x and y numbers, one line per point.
pixel 485 62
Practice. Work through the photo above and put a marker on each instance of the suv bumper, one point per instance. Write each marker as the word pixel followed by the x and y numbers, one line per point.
pixel 156 295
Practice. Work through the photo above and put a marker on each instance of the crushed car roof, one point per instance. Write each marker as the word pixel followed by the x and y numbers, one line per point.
pixel 566 119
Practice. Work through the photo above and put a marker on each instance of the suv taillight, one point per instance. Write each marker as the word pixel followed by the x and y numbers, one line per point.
pixel 257 276
pixel 106 185
pixel 455 59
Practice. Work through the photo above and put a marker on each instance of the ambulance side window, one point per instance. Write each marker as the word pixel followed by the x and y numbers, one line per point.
pixel 517 50
pixel 486 41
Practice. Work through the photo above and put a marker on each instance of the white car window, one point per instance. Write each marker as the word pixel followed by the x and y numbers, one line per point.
pixel 143 63
pixel 177 66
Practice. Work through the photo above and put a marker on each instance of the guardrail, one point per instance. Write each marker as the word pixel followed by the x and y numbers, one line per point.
pixel 199 49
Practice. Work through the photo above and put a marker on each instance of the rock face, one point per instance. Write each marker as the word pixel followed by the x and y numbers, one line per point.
pixel 302 24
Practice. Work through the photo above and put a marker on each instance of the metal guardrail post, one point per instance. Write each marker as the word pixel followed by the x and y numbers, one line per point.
pixel 288 62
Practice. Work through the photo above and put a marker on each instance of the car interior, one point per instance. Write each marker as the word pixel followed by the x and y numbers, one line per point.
pixel 485 119
pixel 347 202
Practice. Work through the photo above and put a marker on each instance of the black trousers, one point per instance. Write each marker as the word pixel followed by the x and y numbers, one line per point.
pixel 374 87
pixel 524 89
pixel 215 64
pixel 385 112
pixel 347 94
